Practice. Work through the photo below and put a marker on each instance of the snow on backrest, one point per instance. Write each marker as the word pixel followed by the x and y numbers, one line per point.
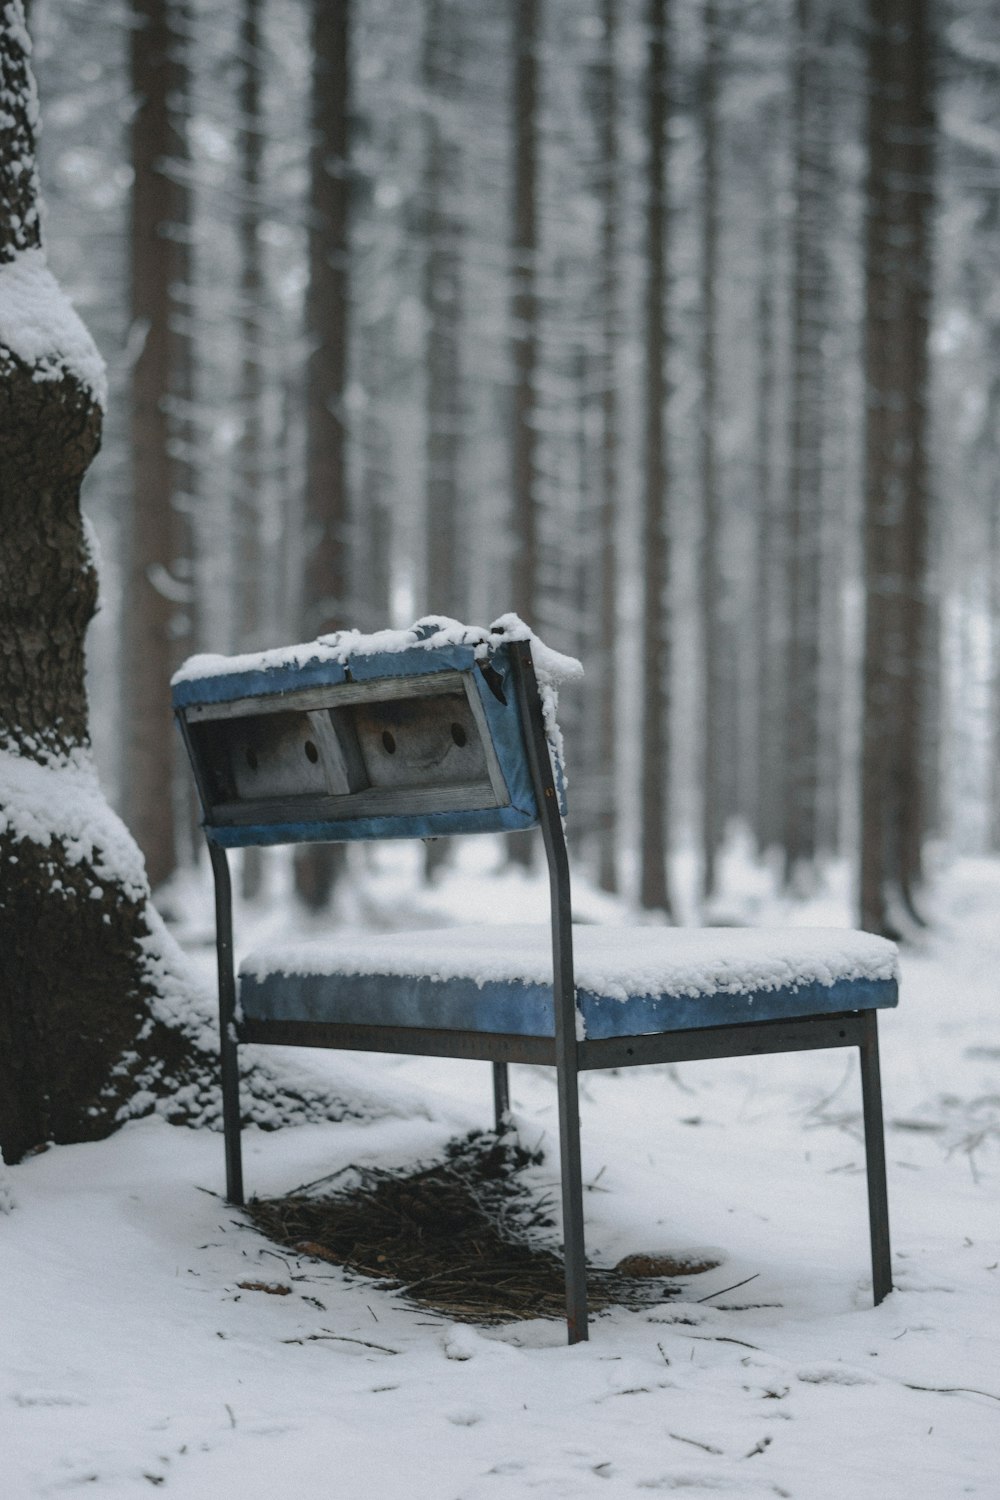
pixel 404 734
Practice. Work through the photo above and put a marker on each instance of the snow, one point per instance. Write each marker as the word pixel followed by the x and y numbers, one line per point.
pixel 430 633
pixel 620 962
pixel 39 324
pixel 134 1360
pixel 60 798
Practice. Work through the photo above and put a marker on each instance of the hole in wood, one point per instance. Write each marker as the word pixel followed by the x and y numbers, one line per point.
pixel 311 752
pixel 252 759
pixel 389 741
pixel 459 735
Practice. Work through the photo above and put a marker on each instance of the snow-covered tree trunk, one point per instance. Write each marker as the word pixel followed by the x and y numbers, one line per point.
pixel 79 948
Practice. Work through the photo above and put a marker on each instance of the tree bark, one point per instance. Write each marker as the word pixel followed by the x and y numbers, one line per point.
pixel 655 746
pixel 810 277
pixel 78 951
pixel 98 1019
pixel 326 578
pixel 159 581
pixel 899 197
pixel 719 702
pixel 606 99
pixel 524 333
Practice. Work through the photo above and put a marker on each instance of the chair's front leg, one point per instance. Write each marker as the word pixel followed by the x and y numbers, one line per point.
pixel 878 1201
pixel 572 1202
pixel 501 1096
pixel 228 1051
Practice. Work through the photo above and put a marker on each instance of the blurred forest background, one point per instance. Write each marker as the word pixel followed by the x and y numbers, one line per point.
pixel 672 324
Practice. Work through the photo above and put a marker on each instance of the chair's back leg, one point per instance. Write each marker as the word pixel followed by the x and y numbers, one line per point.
pixel 572 1201
pixel 228 1050
pixel 501 1096
pixel 878 1201
pixel 563 992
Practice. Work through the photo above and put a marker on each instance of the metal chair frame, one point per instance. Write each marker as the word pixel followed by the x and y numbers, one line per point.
pixel 562 1051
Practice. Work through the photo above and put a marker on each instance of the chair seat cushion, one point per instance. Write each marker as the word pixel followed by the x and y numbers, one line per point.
pixel 631 981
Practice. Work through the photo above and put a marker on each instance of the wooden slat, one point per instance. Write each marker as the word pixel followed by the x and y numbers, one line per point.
pixel 374 802
pixel 336 695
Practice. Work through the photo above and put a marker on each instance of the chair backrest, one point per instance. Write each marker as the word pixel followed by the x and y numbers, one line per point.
pixel 356 742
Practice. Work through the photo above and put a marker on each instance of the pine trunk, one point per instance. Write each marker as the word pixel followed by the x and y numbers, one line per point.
pixel 78 955
pixel 158 583
pixel 606 663
pixel 719 697
pixel 325 602
pixel 898 289
pixel 805 478
pixel 524 339
pixel 655 746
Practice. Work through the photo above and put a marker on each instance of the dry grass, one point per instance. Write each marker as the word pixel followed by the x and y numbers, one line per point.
pixel 466 1236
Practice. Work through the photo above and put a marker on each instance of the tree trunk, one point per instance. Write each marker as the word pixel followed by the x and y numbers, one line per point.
pixel 325 602
pixel 606 662
pixel 247 507
pixel 810 279
pixel 719 698
pixel 524 336
pixel 897 313
pixel 771 625
pixel 446 546
pixel 98 1019
pixel 78 954
pixel 159 582
pixel 655 746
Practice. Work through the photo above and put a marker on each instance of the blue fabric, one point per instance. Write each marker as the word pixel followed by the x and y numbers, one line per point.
pixel 526 1009
pixel 503 720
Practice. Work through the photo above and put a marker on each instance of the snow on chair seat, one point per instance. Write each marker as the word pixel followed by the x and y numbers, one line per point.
pixel 630 981
pixel 450 729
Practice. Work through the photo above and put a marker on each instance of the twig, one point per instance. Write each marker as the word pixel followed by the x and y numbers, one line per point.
pixel 705 1447
pixel 950 1390
pixel 721 1338
pixel 724 1289
pixel 341 1338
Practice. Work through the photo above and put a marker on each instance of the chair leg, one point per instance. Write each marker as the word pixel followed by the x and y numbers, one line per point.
pixel 878 1202
pixel 231 1120
pixel 501 1096
pixel 228 1047
pixel 572 1206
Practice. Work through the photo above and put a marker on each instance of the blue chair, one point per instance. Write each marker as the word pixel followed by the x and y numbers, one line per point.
pixel 454 734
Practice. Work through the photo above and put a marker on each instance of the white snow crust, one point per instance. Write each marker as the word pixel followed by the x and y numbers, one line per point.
pixel 40 325
pixel 147 1344
pixel 61 800
pixel 552 667
pixel 619 962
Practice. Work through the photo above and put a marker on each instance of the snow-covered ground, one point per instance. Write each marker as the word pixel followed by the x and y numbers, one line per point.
pixel 132 1358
